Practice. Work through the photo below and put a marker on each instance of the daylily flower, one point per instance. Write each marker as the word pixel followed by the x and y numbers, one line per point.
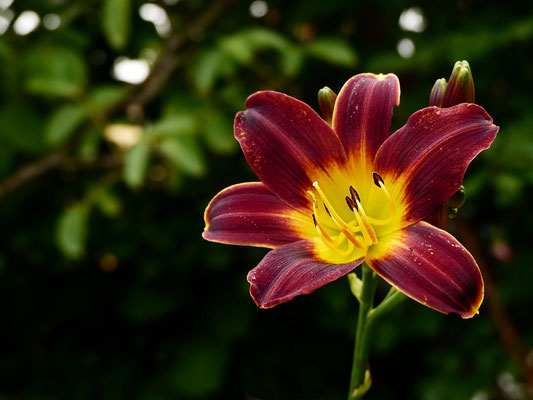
pixel 331 197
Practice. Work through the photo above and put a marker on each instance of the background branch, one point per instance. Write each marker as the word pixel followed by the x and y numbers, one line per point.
pixel 136 98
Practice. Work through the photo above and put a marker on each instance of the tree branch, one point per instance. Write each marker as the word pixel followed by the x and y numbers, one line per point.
pixel 137 97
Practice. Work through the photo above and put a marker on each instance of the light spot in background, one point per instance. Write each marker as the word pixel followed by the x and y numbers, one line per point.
pixel 26 22
pixel 258 8
pixel 51 21
pixel 5 4
pixel 481 395
pixel 412 20
pixel 5 19
pixel 158 16
pixel 406 48
pixel 130 71
pixel 510 387
pixel 170 2
pixel 124 136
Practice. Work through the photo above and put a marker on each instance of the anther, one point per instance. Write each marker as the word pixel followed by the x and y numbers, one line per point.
pixel 378 180
pixel 351 203
pixel 314 219
pixel 354 195
pixel 326 207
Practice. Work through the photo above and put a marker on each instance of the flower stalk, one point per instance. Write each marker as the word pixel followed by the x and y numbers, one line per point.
pixel 361 381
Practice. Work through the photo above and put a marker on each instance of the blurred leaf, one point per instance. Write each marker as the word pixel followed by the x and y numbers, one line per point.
pixel 185 153
pixel 72 230
pixel 89 145
pixel 174 125
pixel 135 164
pixel 290 55
pixel 109 203
pixel 210 65
pixel 116 22
pixel 21 127
pixel 244 45
pixel 218 131
pixel 55 71
pixel 333 50
pixel 106 96
pixel 63 123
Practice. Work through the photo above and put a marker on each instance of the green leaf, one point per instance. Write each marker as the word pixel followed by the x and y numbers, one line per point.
pixel 135 164
pixel 106 96
pixel 89 145
pixel 63 123
pixel 218 131
pixel 109 203
pixel 185 153
pixel 174 125
pixel 211 65
pixel 334 51
pixel 55 71
pixel 72 231
pixel 21 127
pixel 116 22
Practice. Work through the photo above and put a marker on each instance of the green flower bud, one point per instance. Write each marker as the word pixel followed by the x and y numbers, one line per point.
pixel 437 93
pixel 326 102
pixel 455 202
pixel 458 199
pixel 460 87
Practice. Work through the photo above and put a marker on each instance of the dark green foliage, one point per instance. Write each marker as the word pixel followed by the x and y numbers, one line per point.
pixel 108 290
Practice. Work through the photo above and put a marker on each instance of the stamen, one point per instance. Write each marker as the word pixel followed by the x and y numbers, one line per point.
pixel 330 243
pixel 351 204
pixel 355 202
pixel 331 210
pixel 364 232
pixel 345 228
pixel 368 227
pixel 378 180
pixel 354 194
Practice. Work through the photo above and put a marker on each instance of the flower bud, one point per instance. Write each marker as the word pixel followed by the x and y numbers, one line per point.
pixel 437 93
pixel 326 102
pixel 458 199
pixel 460 87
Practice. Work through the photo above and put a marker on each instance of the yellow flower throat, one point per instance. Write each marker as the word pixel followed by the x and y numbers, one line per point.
pixel 354 230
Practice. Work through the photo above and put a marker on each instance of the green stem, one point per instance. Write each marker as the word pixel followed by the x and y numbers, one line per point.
pixel 393 298
pixel 362 348
pixel 359 382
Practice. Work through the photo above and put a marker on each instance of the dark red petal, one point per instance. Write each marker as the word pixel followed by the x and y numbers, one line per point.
pixel 363 113
pixel 250 214
pixel 432 267
pixel 292 270
pixel 428 156
pixel 287 145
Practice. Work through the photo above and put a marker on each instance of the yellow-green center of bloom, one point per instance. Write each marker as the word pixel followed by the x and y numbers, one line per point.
pixel 347 228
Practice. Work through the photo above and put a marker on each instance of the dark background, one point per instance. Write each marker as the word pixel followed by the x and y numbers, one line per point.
pixel 108 290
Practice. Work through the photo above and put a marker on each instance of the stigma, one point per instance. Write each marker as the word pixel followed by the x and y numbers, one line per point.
pixel 345 230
